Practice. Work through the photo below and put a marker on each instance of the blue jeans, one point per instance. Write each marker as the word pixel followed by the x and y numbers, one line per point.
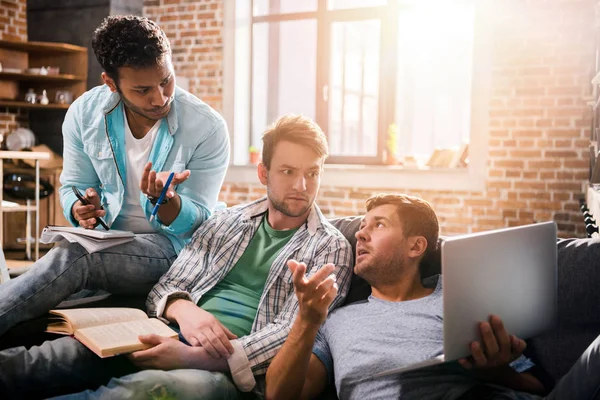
pixel 131 268
pixel 66 366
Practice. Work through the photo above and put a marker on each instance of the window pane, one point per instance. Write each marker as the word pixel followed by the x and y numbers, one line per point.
pixel 269 7
pixel 354 88
pixel 284 70
pixel 433 96
pixel 340 4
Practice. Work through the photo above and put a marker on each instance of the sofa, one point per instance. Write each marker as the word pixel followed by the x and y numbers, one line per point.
pixel 578 322
pixel 553 352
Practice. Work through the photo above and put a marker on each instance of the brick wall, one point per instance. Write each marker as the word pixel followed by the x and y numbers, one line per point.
pixel 194 29
pixel 543 52
pixel 13 26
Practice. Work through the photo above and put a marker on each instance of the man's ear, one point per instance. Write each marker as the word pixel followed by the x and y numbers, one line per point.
pixel 262 173
pixel 418 246
pixel 110 82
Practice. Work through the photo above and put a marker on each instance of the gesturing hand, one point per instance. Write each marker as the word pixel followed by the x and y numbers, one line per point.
pixel 152 183
pixel 201 328
pixel 87 215
pixel 497 349
pixel 315 294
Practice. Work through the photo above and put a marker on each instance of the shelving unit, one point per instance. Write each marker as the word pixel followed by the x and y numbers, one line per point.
pixel 15 80
pixel 71 61
pixel 24 155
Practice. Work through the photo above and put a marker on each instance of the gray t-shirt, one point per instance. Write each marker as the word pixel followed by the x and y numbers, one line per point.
pixel 375 335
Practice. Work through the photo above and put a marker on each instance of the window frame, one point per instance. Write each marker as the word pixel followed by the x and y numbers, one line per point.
pixel 371 172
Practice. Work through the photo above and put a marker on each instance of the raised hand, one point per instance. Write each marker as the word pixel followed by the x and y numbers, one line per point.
pixel 201 328
pixel 152 182
pixel 497 348
pixel 87 215
pixel 316 294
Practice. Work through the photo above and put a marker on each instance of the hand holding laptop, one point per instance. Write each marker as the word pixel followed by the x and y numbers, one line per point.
pixel 495 349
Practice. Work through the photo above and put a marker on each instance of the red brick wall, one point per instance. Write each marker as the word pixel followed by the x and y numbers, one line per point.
pixel 194 29
pixel 13 26
pixel 543 54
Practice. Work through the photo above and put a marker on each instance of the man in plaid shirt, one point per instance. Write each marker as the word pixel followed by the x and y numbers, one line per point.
pixel 230 291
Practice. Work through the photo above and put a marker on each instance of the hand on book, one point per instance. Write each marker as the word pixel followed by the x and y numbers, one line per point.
pixel 201 328
pixel 167 354
pixel 316 293
pixel 496 349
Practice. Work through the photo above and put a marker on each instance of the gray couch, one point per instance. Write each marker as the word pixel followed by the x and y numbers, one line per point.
pixel 578 301
pixel 554 352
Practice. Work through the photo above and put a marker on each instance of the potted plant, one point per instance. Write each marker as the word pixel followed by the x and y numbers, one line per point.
pixel 254 155
pixel 391 145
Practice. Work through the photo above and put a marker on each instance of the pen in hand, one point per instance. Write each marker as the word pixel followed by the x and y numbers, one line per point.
pixel 86 202
pixel 162 196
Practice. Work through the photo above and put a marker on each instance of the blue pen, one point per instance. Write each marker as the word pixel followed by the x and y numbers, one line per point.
pixel 162 195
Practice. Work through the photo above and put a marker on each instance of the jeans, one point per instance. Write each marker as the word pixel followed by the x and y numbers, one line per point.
pixel 582 382
pixel 131 268
pixel 65 366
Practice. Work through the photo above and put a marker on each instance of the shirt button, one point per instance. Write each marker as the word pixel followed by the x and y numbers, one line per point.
pixel 99 154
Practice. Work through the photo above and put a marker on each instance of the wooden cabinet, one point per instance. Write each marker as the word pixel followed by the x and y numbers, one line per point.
pixel 21 62
pixel 16 78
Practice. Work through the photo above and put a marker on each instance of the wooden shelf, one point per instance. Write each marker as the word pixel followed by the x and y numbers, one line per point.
pixel 22 104
pixel 24 155
pixel 41 47
pixel 17 209
pixel 37 77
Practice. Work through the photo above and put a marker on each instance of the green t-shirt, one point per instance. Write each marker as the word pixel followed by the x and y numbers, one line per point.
pixel 234 300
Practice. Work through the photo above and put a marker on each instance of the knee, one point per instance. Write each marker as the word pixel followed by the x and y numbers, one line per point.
pixel 180 384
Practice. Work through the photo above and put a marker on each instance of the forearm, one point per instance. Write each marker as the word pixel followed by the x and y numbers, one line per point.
pixel 506 376
pixel 288 370
pixel 198 358
pixel 175 308
pixel 168 212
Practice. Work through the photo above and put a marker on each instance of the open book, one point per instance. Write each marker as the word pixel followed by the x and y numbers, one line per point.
pixel 108 331
pixel 91 239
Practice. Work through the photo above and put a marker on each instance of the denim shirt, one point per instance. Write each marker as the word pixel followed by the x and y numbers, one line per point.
pixel 193 136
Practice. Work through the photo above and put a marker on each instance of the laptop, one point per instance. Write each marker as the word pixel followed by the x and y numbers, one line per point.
pixel 509 272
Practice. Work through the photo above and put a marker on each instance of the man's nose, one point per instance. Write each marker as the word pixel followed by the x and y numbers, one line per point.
pixel 361 235
pixel 300 184
pixel 159 98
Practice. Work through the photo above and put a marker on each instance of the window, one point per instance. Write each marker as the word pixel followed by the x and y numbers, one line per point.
pixel 361 69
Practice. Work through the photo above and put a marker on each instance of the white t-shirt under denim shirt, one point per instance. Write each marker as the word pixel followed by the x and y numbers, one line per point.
pixel 374 335
pixel 131 217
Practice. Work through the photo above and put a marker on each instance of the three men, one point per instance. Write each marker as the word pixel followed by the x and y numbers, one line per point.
pixel 116 137
pixel 229 291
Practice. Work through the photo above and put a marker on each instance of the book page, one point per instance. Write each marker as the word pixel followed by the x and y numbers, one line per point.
pixel 122 337
pixel 87 317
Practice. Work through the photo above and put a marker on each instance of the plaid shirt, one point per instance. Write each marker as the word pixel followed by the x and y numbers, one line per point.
pixel 215 249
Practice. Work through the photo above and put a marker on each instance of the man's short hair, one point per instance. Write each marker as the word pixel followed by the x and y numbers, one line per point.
pixel 416 215
pixel 297 129
pixel 129 41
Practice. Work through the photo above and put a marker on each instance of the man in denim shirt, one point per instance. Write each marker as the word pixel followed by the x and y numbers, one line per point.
pixel 116 138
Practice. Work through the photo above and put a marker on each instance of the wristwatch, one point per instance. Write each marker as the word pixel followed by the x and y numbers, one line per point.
pixel 153 200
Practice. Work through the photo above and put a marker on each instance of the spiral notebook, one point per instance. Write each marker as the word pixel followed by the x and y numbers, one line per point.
pixel 92 240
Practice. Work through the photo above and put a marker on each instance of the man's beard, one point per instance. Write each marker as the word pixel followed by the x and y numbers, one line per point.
pixel 140 111
pixel 284 209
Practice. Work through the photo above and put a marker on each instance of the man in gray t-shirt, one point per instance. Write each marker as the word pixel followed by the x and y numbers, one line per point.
pixel 401 324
